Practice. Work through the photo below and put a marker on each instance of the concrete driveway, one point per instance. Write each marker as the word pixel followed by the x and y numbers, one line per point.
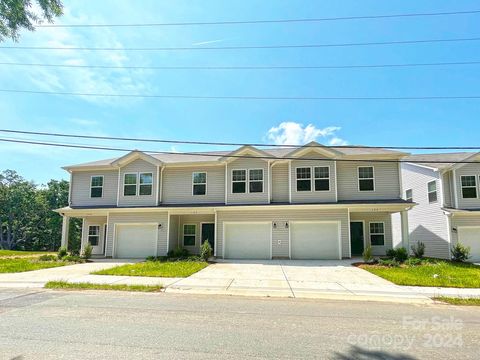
pixel 292 278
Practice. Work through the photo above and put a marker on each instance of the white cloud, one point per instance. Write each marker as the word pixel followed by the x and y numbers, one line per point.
pixel 293 133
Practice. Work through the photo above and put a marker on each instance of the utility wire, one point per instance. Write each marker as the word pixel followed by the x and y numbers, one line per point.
pixel 245 47
pixel 247 67
pixel 214 97
pixel 189 142
pixel 272 21
pixel 206 154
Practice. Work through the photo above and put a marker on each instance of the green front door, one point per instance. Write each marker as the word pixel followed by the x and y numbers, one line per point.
pixel 208 234
pixel 356 237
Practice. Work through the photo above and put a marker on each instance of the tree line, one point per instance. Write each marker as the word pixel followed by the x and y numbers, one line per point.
pixel 27 219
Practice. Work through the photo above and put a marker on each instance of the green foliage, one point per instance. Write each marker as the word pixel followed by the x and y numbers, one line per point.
pixel 18 14
pixel 460 252
pixel 388 262
pixel 180 268
pixel 63 285
pixel 418 249
pixel 179 253
pixel 87 252
pixel 47 257
pixel 414 261
pixel 399 255
pixel 367 254
pixel 205 251
pixel 62 252
pixel 73 258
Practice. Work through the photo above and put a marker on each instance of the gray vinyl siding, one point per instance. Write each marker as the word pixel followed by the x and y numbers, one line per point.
pixel 387 181
pixel 139 166
pixel 173 232
pixel 448 199
pixel 281 217
pixel 426 222
pixel 93 220
pixel 313 196
pixel 248 198
pixel 459 221
pixel 139 218
pixel 396 220
pixel 376 217
pixel 467 169
pixel 280 192
pixel 80 193
pixel 196 220
pixel 178 185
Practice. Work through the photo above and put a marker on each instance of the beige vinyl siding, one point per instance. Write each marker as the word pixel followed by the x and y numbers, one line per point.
pixel 281 217
pixel 173 232
pixel 466 220
pixel 139 218
pixel 80 194
pixel 426 222
pixel 448 198
pixel 177 185
pixel 376 217
pixel 94 220
pixel 248 198
pixel 279 183
pixel 139 166
pixel 467 169
pixel 396 221
pixel 196 220
pixel 387 181
pixel 313 196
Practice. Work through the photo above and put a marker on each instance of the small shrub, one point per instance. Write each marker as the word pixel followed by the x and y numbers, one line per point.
pixel 399 255
pixel 367 254
pixel 87 251
pixel 179 252
pixel 205 251
pixel 418 250
pixel 47 257
pixel 391 253
pixel 73 258
pixel 460 252
pixel 62 252
pixel 388 262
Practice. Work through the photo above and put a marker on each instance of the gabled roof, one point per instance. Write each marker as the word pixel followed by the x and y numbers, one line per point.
pixel 135 155
pixel 246 149
pixel 313 146
pixel 441 161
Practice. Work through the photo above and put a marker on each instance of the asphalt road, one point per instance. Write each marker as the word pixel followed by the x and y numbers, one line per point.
pixel 100 325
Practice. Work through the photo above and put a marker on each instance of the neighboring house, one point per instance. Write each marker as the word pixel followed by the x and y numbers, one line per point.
pixel 448 198
pixel 310 202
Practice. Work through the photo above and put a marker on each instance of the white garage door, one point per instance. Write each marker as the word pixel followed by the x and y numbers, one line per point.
pixel 315 240
pixel 247 240
pixel 470 236
pixel 135 241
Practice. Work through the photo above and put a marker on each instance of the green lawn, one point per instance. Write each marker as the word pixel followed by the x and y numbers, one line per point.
pixel 157 269
pixel 459 301
pixel 431 273
pixel 62 285
pixel 16 253
pixel 15 265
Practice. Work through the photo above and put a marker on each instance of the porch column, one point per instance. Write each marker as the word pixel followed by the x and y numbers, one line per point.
pixel 405 234
pixel 65 230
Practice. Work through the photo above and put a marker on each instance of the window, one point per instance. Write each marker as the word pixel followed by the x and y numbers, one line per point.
pixel 130 185
pixel 304 179
pixel 409 195
pixel 93 235
pixel 469 187
pixel 366 180
pixel 96 186
pixel 239 181
pixel 255 180
pixel 189 234
pixel 199 183
pixel 146 183
pixel 432 191
pixel 377 233
pixel 322 178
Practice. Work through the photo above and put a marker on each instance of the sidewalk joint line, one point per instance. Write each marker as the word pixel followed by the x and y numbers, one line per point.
pixel 226 289
pixel 286 279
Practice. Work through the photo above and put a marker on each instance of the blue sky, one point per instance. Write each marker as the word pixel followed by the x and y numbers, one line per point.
pixel 416 123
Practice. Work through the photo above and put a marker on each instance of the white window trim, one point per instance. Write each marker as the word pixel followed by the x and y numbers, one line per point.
pixel 372 178
pixel 475 186
pixel 183 235
pixel 98 234
pixel 151 184
pixel 234 181
pixel 429 192
pixel 314 178
pixel 136 183
pixel 370 233
pixel 406 191
pixel 91 186
pixel 205 183
pixel 250 180
pixel 296 179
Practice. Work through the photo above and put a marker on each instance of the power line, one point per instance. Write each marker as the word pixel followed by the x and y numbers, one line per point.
pixel 272 21
pixel 247 67
pixel 245 47
pixel 215 97
pixel 189 142
pixel 94 147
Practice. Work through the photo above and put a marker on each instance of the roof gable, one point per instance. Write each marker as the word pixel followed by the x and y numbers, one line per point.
pixel 135 155
pixel 315 147
pixel 246 150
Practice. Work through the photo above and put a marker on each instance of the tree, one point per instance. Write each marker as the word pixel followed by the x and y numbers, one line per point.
pixel 18 14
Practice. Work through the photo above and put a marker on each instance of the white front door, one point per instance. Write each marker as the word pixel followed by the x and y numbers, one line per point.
pixel 470 236
pixel 315 240
pixel 135 241
pixel 94 237
pixel 246 240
